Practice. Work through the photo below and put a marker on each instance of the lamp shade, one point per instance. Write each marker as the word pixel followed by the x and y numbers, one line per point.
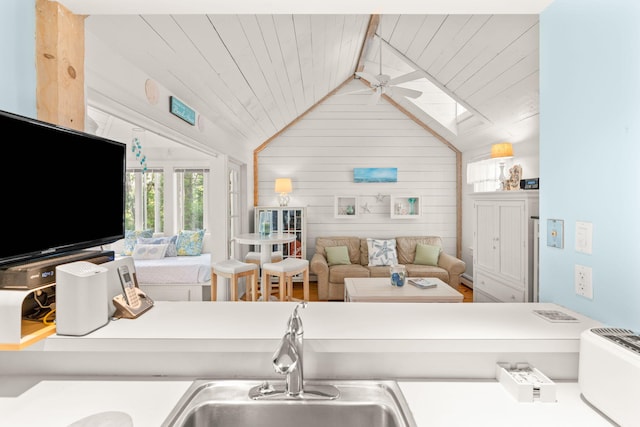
pixel 283 185
pixel 502 149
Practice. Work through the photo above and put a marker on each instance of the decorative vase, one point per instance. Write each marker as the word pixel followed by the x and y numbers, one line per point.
pixel 265 223
pixel 412 205
pixel 398 275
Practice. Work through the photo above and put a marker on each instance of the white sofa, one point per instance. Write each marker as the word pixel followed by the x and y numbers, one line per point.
pixel 177 278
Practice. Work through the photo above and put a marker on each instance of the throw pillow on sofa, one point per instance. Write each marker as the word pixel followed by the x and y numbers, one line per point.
pixel 337 255
pixel 190 242
pixel 427 254
pixel 170 240
pixel 131 237
pixel 145 251
pixel 382 252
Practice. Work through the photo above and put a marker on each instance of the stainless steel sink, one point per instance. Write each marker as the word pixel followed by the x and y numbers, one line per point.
pixel 227 403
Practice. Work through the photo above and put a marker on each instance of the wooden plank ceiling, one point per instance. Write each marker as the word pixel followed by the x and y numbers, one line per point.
pixel 255 74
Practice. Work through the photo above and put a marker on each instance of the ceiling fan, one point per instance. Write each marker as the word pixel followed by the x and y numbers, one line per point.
pixel 384 84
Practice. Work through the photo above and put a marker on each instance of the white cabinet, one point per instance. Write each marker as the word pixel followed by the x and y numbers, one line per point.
pixel 285 219
pixel 503 242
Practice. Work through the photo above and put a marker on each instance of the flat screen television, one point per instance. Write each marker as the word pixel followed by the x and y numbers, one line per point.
pixel 62 190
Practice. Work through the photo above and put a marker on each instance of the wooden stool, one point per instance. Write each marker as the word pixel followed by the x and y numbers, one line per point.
pixel 285 270
pixel 234 269
pixel 254 257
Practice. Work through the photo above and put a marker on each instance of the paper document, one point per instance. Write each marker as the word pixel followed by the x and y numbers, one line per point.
pixel 423 283
pixel 555 316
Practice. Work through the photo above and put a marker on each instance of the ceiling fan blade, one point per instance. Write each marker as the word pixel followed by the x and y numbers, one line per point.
pixel 368 77
pixel 409 93
pixel 375 96
pixel 414 75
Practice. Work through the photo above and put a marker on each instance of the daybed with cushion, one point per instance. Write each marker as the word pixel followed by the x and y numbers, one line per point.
pixel 346 256
pixel 169 268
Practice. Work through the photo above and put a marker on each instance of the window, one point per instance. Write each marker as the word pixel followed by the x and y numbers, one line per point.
pixel 485 175
pixel 234 214
pixel 192 198
pixel 144 205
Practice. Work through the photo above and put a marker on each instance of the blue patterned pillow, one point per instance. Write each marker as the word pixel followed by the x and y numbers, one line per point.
pixel 190 242
pixel 382 252
pixel 131 237
pixel 144 251
pixel 171 241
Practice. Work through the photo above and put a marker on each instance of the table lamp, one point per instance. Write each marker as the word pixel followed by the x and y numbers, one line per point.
pixel 502 151
pixel 284 187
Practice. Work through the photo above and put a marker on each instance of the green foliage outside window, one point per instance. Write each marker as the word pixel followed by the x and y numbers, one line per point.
pixel 129 206
pixel 149 199
pixel 193 200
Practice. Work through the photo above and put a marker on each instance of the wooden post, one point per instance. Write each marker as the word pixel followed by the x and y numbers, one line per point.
pixel 59 65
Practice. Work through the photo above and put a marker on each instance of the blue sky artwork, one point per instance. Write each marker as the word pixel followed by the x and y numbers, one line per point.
pixel 375 174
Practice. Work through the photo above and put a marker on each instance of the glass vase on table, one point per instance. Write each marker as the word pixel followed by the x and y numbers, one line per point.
pixel 398 275
pixel 264 228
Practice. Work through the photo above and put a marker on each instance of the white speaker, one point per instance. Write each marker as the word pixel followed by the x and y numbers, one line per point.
pixel 81 298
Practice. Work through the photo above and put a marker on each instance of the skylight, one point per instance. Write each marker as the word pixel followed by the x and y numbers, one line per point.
pixel 435 102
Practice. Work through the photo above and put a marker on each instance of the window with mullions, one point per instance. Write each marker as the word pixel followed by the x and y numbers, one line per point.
pixel 192 192
pixel 144 205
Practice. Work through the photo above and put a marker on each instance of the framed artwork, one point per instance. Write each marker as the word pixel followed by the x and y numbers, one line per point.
pixel 375 175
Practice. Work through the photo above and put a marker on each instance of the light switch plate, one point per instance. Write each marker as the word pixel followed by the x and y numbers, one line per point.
pixel 584 237
pixel 555 233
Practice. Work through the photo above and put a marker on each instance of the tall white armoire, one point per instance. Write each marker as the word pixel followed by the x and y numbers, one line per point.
pixel 503 245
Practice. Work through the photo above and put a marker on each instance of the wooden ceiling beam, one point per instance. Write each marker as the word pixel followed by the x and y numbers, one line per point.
pixel 374 21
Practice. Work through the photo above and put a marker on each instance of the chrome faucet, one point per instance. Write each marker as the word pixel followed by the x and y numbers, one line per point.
pixel 287 360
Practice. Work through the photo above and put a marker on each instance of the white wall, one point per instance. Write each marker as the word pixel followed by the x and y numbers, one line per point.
pixel 320 151
pixel 115 86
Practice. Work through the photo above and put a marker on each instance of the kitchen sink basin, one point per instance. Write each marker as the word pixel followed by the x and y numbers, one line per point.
pixel 223 403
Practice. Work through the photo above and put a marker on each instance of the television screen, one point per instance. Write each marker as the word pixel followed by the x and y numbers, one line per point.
pixel 62 190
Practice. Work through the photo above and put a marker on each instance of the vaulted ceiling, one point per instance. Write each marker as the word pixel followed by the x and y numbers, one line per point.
pixel 253 74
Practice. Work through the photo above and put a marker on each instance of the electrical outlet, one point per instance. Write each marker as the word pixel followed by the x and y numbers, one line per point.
pixel 583 281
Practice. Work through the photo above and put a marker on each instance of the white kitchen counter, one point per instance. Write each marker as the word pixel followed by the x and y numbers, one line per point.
pixel 342 341
pixel 488 404
pixel 229 323
pixel 433 404
pixel 443 356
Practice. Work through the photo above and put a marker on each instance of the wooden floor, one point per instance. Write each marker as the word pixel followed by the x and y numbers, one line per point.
pixel 466 292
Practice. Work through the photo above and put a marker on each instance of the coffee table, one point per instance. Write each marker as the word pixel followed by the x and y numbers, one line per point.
pixel 379 289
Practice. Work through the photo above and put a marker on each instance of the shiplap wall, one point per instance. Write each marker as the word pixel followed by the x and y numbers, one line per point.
pixel 320 151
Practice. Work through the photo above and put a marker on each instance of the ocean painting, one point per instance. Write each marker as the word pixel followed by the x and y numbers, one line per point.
pixel 375 174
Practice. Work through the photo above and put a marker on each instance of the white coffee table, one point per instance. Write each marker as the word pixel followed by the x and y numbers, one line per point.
pixel 379 289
